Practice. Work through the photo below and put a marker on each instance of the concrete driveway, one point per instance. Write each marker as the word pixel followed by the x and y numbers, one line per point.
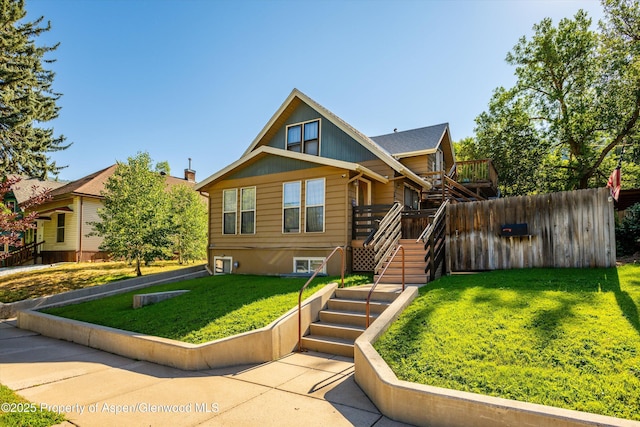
pixel 95 388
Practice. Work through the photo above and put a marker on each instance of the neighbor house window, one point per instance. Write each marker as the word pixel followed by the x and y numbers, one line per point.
pixel 304 137
pixel 229 207
pixel 248 210
pixel 60 229
pixel 314 205
pixel 291 207
pixel 222 265
pixel 308 265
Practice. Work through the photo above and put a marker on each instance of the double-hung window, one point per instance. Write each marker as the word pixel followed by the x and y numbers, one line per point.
pixel 304 137
pixel 248 210
pixel 229 210
pixel 314 205
pixel 291 207
pixel 60 229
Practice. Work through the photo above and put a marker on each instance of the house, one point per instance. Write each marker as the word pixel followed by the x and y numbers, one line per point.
pixel 19 194
pixel 310 182
pixel 63 222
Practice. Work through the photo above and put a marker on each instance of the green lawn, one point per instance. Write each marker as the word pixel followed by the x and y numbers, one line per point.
pixel 18 412
pixel 216 307
pixel 562 337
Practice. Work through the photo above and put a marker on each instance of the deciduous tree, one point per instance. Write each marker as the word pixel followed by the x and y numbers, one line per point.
pixel 188 215
pixel 576 100
pixel 134 221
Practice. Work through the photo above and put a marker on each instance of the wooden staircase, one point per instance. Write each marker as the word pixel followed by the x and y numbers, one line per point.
pixel 344 319
pixel 414 265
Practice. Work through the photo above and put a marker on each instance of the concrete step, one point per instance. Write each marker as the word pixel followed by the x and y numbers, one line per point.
pixel 334 330
pixel 409 279
pixel 360 293
pixel 339 304
pixel 329 345
pixel 350 318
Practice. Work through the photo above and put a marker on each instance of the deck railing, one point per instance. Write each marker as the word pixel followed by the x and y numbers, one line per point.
pixel 476 171
pixel 313 276
pixel 21 255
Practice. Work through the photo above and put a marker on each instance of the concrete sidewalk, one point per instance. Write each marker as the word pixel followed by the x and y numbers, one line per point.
pixel 94 388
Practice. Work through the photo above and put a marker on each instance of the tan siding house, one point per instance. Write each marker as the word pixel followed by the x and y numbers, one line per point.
pixel 289 200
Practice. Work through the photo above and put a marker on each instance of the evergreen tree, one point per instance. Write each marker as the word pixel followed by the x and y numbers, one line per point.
pixel 188 223
pixel 134 221
pixel 26 96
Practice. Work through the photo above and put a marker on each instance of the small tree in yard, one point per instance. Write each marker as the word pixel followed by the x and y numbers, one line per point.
pixel 134 221
pixel 188 223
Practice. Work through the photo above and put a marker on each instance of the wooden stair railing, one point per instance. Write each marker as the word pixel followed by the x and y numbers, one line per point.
pixel 387 236
pixel 434 241
pixel 19 256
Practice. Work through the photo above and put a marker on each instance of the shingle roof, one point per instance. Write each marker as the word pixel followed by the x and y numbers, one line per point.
pixel 426 138
pixel 93 184
pixel 24 189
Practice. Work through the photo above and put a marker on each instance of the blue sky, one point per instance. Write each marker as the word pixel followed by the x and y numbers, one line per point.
pixel 200 78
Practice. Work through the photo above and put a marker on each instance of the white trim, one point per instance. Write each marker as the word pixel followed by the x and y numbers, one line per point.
pixel 308 259
pixel 299 206
pixel 324 203
pixel 222 258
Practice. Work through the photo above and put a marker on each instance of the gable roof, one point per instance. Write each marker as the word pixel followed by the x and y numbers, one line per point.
pixel 93 184
pixel 423 140
pixel 277 120
pixel 23 190
pixel 266 150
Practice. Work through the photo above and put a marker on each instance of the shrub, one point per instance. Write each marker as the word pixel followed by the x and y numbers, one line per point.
pixel 628 231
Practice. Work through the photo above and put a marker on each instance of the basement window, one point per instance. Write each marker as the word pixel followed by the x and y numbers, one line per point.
pixel 222 264
pixel 308 265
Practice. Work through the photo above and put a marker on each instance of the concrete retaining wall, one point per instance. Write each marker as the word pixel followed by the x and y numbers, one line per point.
pixel 10 310
pixel 438 407
pixel 262 345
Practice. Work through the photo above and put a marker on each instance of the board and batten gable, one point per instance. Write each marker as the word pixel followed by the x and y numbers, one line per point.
pixel 334 143
pixel 270 250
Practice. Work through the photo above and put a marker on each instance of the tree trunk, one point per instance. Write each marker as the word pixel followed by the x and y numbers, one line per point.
pixel 138 271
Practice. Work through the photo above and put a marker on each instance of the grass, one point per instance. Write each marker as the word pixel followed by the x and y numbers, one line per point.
pixel 561 337
pixel 70 276
pixel 21 413
pixel 216 306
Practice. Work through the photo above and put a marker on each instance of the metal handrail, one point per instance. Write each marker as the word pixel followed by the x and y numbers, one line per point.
pixel 384 270
pixel 315 273
pixel 429 227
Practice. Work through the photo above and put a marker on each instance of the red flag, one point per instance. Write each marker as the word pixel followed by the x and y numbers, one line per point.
pixel 614 183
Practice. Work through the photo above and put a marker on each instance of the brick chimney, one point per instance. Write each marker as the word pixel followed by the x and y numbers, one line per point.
pixel 190 174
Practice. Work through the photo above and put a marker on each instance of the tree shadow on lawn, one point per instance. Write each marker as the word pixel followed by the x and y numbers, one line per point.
pixel 577 286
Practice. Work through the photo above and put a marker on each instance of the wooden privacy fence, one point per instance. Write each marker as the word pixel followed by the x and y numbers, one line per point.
pixel 567 229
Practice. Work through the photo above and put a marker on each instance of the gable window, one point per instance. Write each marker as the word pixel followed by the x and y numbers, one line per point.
pixel 314 205
pixel 229 206
pixel 248 210
pixel 291 207
pixel 60 229
pixel 304 137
